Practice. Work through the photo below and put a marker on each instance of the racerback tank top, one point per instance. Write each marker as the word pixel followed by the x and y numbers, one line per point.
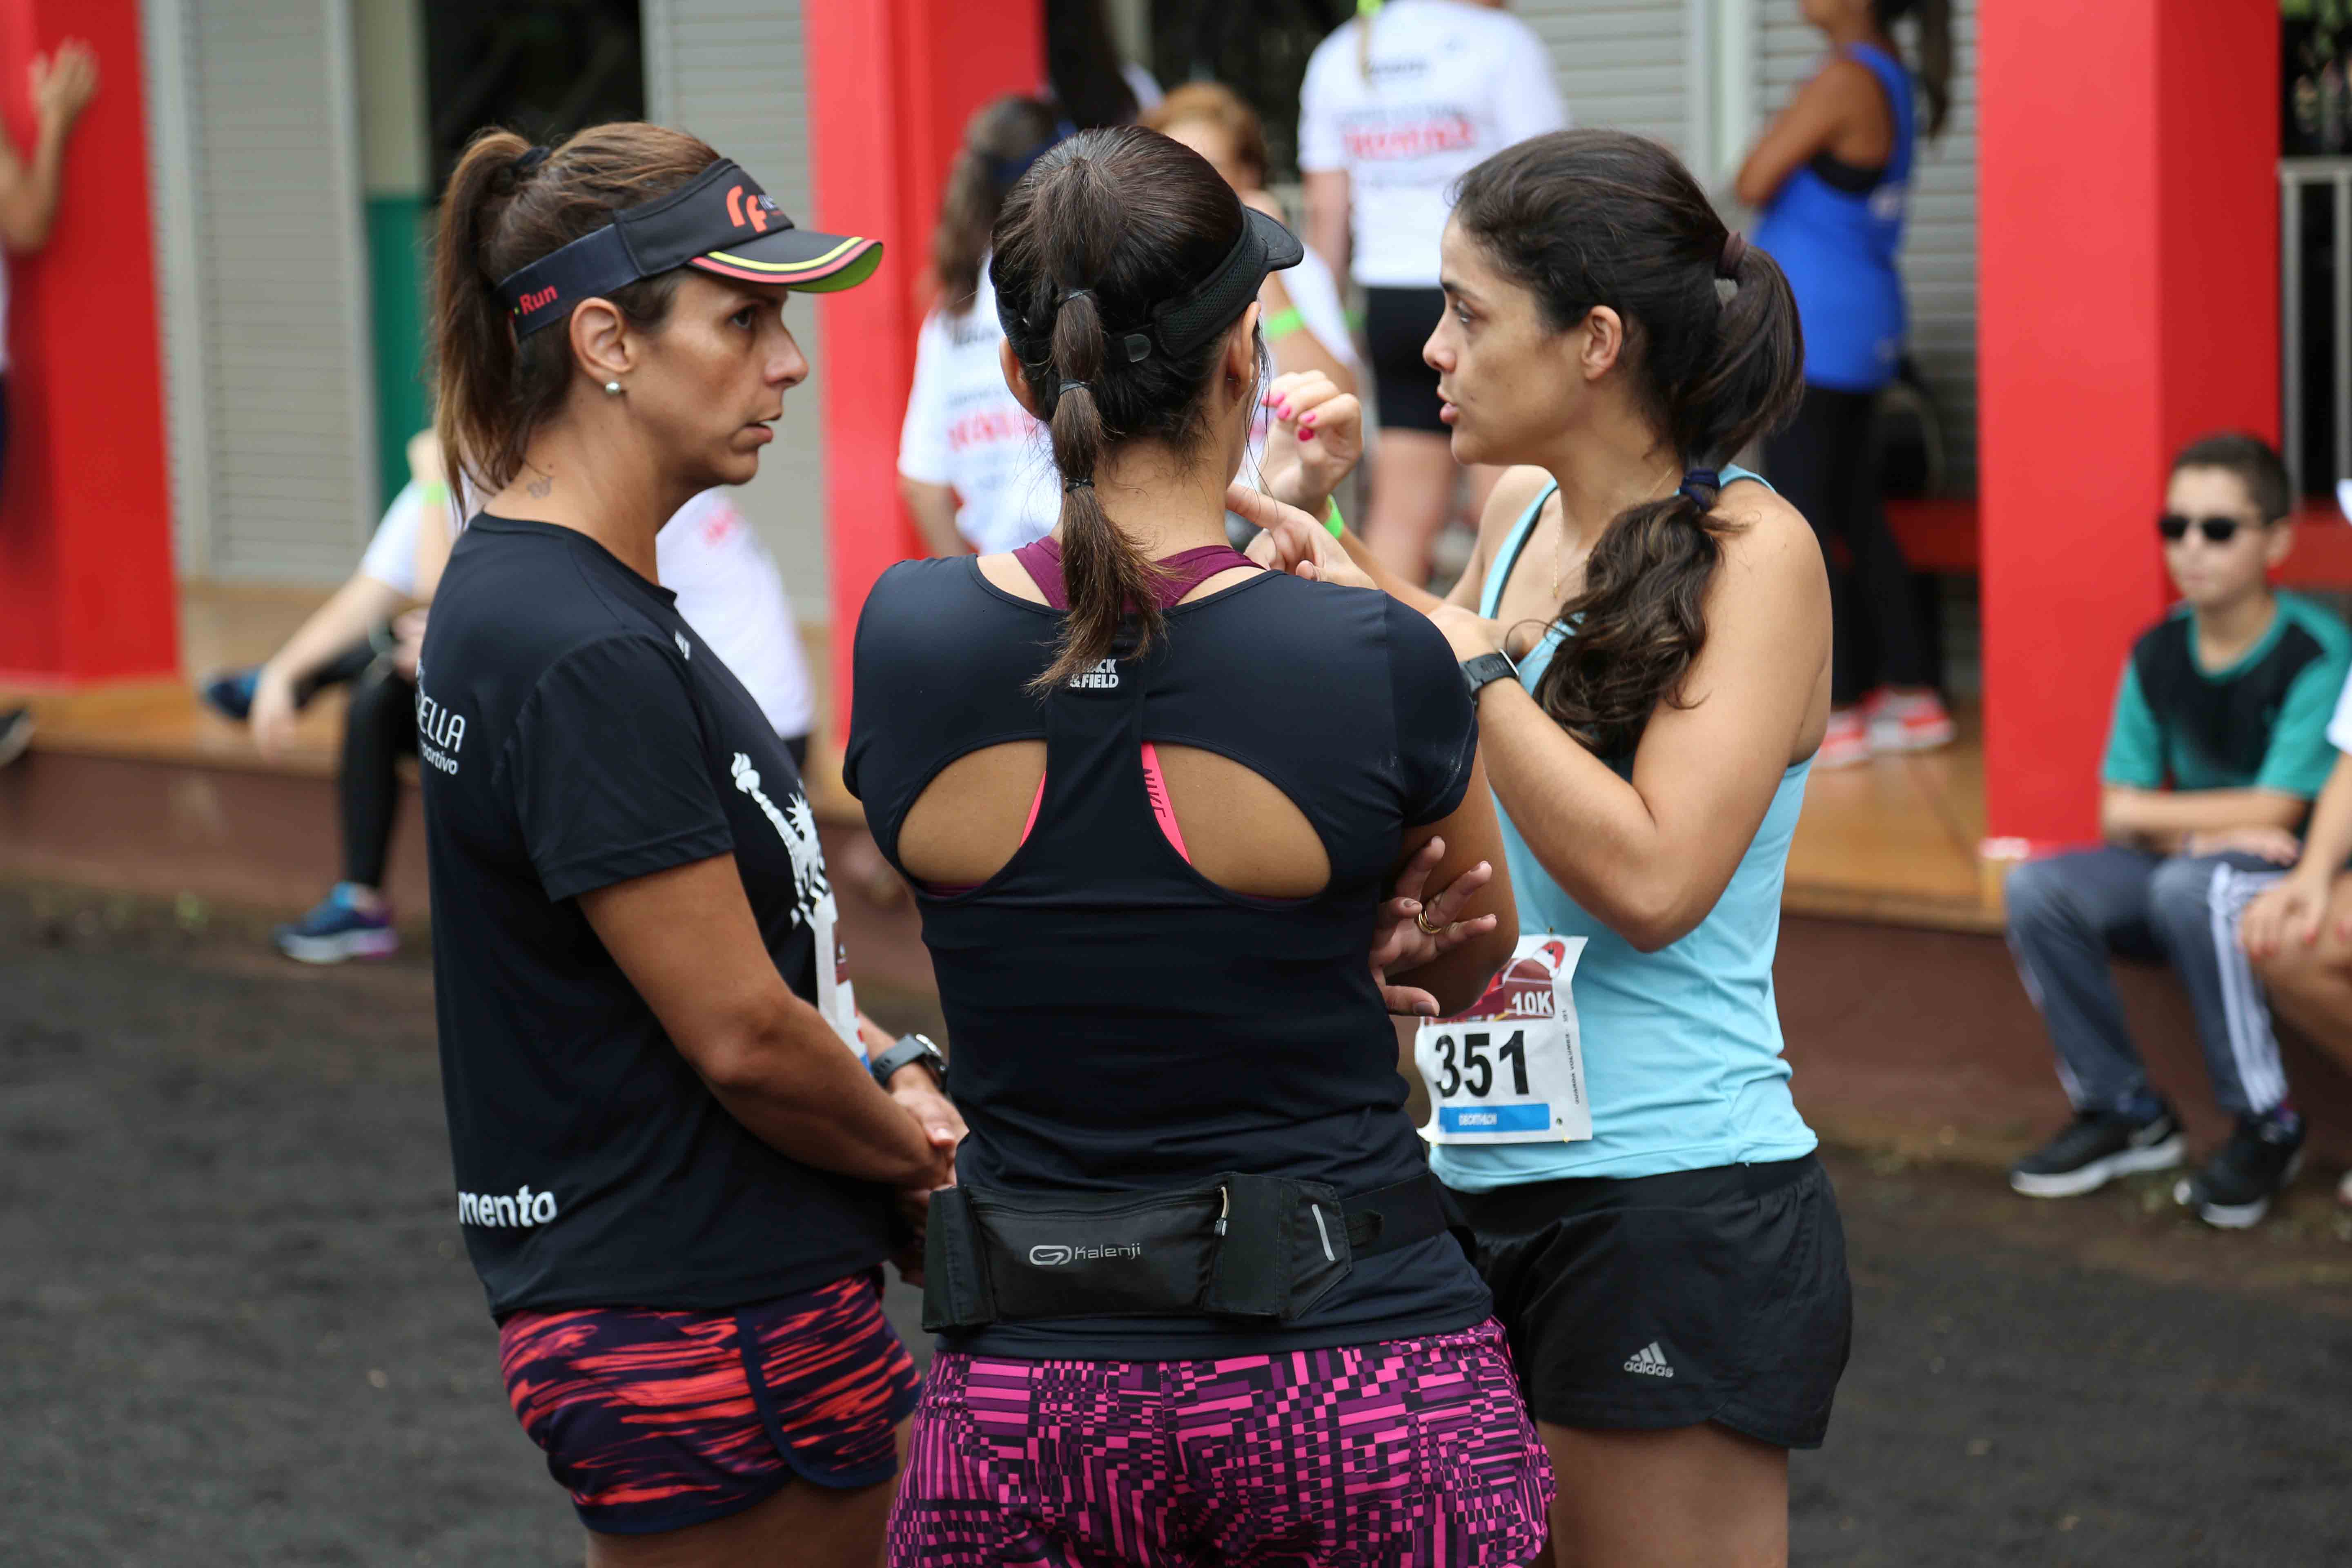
pixel 1681 1047
pixel 1838 250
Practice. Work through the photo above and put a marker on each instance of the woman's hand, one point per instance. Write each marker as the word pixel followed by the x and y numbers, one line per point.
pixel 1317 437
pixel 1294 542
pixel 1400 942
pixel 1468 634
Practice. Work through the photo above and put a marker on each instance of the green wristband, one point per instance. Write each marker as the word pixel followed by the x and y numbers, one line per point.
pixel 1335 522
pixel 1281 323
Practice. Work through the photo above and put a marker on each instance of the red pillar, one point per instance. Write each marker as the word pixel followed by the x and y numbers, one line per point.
pixel 890 85
pixel 86 580
pixel 2127 300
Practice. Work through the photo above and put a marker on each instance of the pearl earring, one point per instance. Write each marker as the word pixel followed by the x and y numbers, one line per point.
pixel 612 389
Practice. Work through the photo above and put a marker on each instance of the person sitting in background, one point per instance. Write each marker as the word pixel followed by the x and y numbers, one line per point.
pixel 1303 322
pixel 63 84
pixel 971 467
pixel 2217 744
pixel 727 588
pixel 360 636
pixel 2299 934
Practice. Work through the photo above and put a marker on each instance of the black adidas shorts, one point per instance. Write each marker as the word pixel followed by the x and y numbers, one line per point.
pixel 1657 1301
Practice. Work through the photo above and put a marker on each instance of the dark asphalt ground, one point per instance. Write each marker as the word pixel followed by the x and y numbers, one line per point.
pixel 240 1330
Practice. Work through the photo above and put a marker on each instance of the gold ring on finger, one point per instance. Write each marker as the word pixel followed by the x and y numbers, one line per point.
pixel 1420 919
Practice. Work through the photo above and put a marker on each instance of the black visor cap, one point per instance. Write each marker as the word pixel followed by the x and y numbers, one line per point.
pixel 720 222
pixel 1181 326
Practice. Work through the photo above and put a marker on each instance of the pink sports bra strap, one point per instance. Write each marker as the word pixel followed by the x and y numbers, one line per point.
pixel 1186 570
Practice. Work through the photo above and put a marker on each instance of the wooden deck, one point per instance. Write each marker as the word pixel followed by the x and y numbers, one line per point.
pixel 1892 842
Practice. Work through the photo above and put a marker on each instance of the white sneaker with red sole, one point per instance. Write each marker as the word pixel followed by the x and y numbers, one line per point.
pixel 1906 722
pixel 1846 743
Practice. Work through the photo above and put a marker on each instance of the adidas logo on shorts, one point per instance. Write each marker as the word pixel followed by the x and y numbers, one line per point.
pixel 1650 1361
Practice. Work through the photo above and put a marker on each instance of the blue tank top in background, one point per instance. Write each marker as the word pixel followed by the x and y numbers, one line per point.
pixel 1838 250
pixel 1681 1047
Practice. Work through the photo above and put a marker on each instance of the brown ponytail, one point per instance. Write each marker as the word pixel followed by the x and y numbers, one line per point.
pixel 1587 218
pixel 1934 67
pixel 501 211
pixel 999 142
pixel 1108 225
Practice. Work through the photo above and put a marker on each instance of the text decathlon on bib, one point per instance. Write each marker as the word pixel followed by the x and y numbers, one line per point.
pixel 1509 1069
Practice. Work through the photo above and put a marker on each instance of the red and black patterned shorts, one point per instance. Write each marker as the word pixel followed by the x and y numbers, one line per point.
pixel 660 1420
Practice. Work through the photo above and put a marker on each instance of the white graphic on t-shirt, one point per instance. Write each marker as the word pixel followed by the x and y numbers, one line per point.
pixel 813 899
pixel 440 733
pixel 523 1207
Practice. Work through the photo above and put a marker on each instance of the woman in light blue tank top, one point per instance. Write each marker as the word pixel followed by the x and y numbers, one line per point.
pixel 1673 1275
pixel 1832 176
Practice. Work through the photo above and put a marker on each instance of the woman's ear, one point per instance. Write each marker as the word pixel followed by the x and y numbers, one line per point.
pixel 601 340
pixel 1241 347
pixel 1604 342
pixel 1015 377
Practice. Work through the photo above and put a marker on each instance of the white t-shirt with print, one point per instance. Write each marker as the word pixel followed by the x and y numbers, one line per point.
pixel 729 589
pixel 391 557
pixel 965 430
pixel 1450 84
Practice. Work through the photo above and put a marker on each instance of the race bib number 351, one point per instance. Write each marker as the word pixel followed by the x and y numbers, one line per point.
pixel 1509 1070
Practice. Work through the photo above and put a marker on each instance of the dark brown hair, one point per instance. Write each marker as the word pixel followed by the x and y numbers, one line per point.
pixel 1587 218
pixel 2253 460
pixel 1934 67
pixel 497 218
pixel 999 141
pixel 1215 103
pixel 1108 225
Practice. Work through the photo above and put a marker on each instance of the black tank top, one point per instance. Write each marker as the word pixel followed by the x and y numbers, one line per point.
pixel 1118 1022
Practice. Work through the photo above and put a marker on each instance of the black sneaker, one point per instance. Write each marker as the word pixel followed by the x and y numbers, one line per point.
pixel 16 733
pixel 2096 1148
pixel 2235 1188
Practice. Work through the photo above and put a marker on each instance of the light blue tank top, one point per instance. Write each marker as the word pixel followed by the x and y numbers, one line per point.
pixel 1681 1047
pixel 1838 249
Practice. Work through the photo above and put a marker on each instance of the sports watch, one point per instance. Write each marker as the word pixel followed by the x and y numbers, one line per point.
pixel 908 1048
pixel 1486 669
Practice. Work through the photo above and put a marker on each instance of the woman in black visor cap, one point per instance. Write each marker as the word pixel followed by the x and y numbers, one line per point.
pixel 676 1166
pixel 1199 1298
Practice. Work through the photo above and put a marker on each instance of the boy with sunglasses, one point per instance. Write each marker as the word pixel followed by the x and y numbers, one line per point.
pixel 2217 744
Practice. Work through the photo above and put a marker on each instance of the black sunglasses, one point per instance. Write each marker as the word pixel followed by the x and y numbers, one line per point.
pixel 2216 530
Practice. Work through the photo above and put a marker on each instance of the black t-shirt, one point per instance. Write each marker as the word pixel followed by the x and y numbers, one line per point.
pixel 575 732
pixel 1118 1022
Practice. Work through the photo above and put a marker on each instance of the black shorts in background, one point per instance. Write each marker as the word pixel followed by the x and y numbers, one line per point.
pixel 1660 1301
pixel 1397 323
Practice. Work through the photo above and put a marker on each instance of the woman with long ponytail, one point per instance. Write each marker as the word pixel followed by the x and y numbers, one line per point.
pixel 1157 804
pixel 971 463
pixel 680 1150
pixel 1832 176
pixel 1647 631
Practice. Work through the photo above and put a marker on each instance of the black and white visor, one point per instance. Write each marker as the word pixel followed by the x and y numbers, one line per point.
pixel 1178 327
pixel 720 221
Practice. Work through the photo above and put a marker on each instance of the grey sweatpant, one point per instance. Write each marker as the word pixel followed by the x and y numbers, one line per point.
pixel 2069 914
